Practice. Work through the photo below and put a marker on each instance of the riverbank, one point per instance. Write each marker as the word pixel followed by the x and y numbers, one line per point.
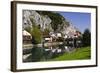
pixel 81 53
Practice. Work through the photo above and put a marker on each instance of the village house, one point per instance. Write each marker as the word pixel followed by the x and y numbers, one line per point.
pixel 27 38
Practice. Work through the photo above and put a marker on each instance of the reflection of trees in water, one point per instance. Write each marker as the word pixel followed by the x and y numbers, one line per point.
pixel 48 53
pixel 37 54
pixel 40 54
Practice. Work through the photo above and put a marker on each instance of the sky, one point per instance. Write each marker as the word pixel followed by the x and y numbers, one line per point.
pixel 79 20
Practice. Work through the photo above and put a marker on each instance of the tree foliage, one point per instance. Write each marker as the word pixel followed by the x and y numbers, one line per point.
pixel 36 34
pixel 86 38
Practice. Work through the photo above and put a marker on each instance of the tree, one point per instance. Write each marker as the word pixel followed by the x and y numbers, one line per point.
pixel 34 31
pixel 86 38
pixel 36 35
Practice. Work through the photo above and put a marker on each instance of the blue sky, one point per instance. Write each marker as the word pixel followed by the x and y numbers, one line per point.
pixel 79 20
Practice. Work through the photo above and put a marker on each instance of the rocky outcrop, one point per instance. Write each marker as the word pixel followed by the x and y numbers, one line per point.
pixel 48 20
pixel 34 18
pixel 70 31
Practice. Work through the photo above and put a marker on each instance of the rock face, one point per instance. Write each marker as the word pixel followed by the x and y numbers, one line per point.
pixel 70 31
pixel 44 21
pixel 26 20
pixel 33 17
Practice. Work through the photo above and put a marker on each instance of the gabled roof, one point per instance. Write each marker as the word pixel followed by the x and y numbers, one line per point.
pixel 25 33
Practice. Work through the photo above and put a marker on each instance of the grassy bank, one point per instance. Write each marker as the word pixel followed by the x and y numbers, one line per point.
pixel 81 53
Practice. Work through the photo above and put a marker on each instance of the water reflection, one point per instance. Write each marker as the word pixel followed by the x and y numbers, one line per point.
pixel 46 53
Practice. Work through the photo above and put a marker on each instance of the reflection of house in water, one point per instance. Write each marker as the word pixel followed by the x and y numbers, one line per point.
pixel 27 38
pixel 74 39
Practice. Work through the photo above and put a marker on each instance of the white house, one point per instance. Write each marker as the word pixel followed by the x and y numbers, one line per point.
pixel 59 35
pixel 26 37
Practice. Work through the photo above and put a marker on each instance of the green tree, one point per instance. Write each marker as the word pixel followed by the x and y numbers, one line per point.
pixel 34 31
pixel 36 34
pixel 86 38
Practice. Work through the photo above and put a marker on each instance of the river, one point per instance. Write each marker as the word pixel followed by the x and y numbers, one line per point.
pixel 46 52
